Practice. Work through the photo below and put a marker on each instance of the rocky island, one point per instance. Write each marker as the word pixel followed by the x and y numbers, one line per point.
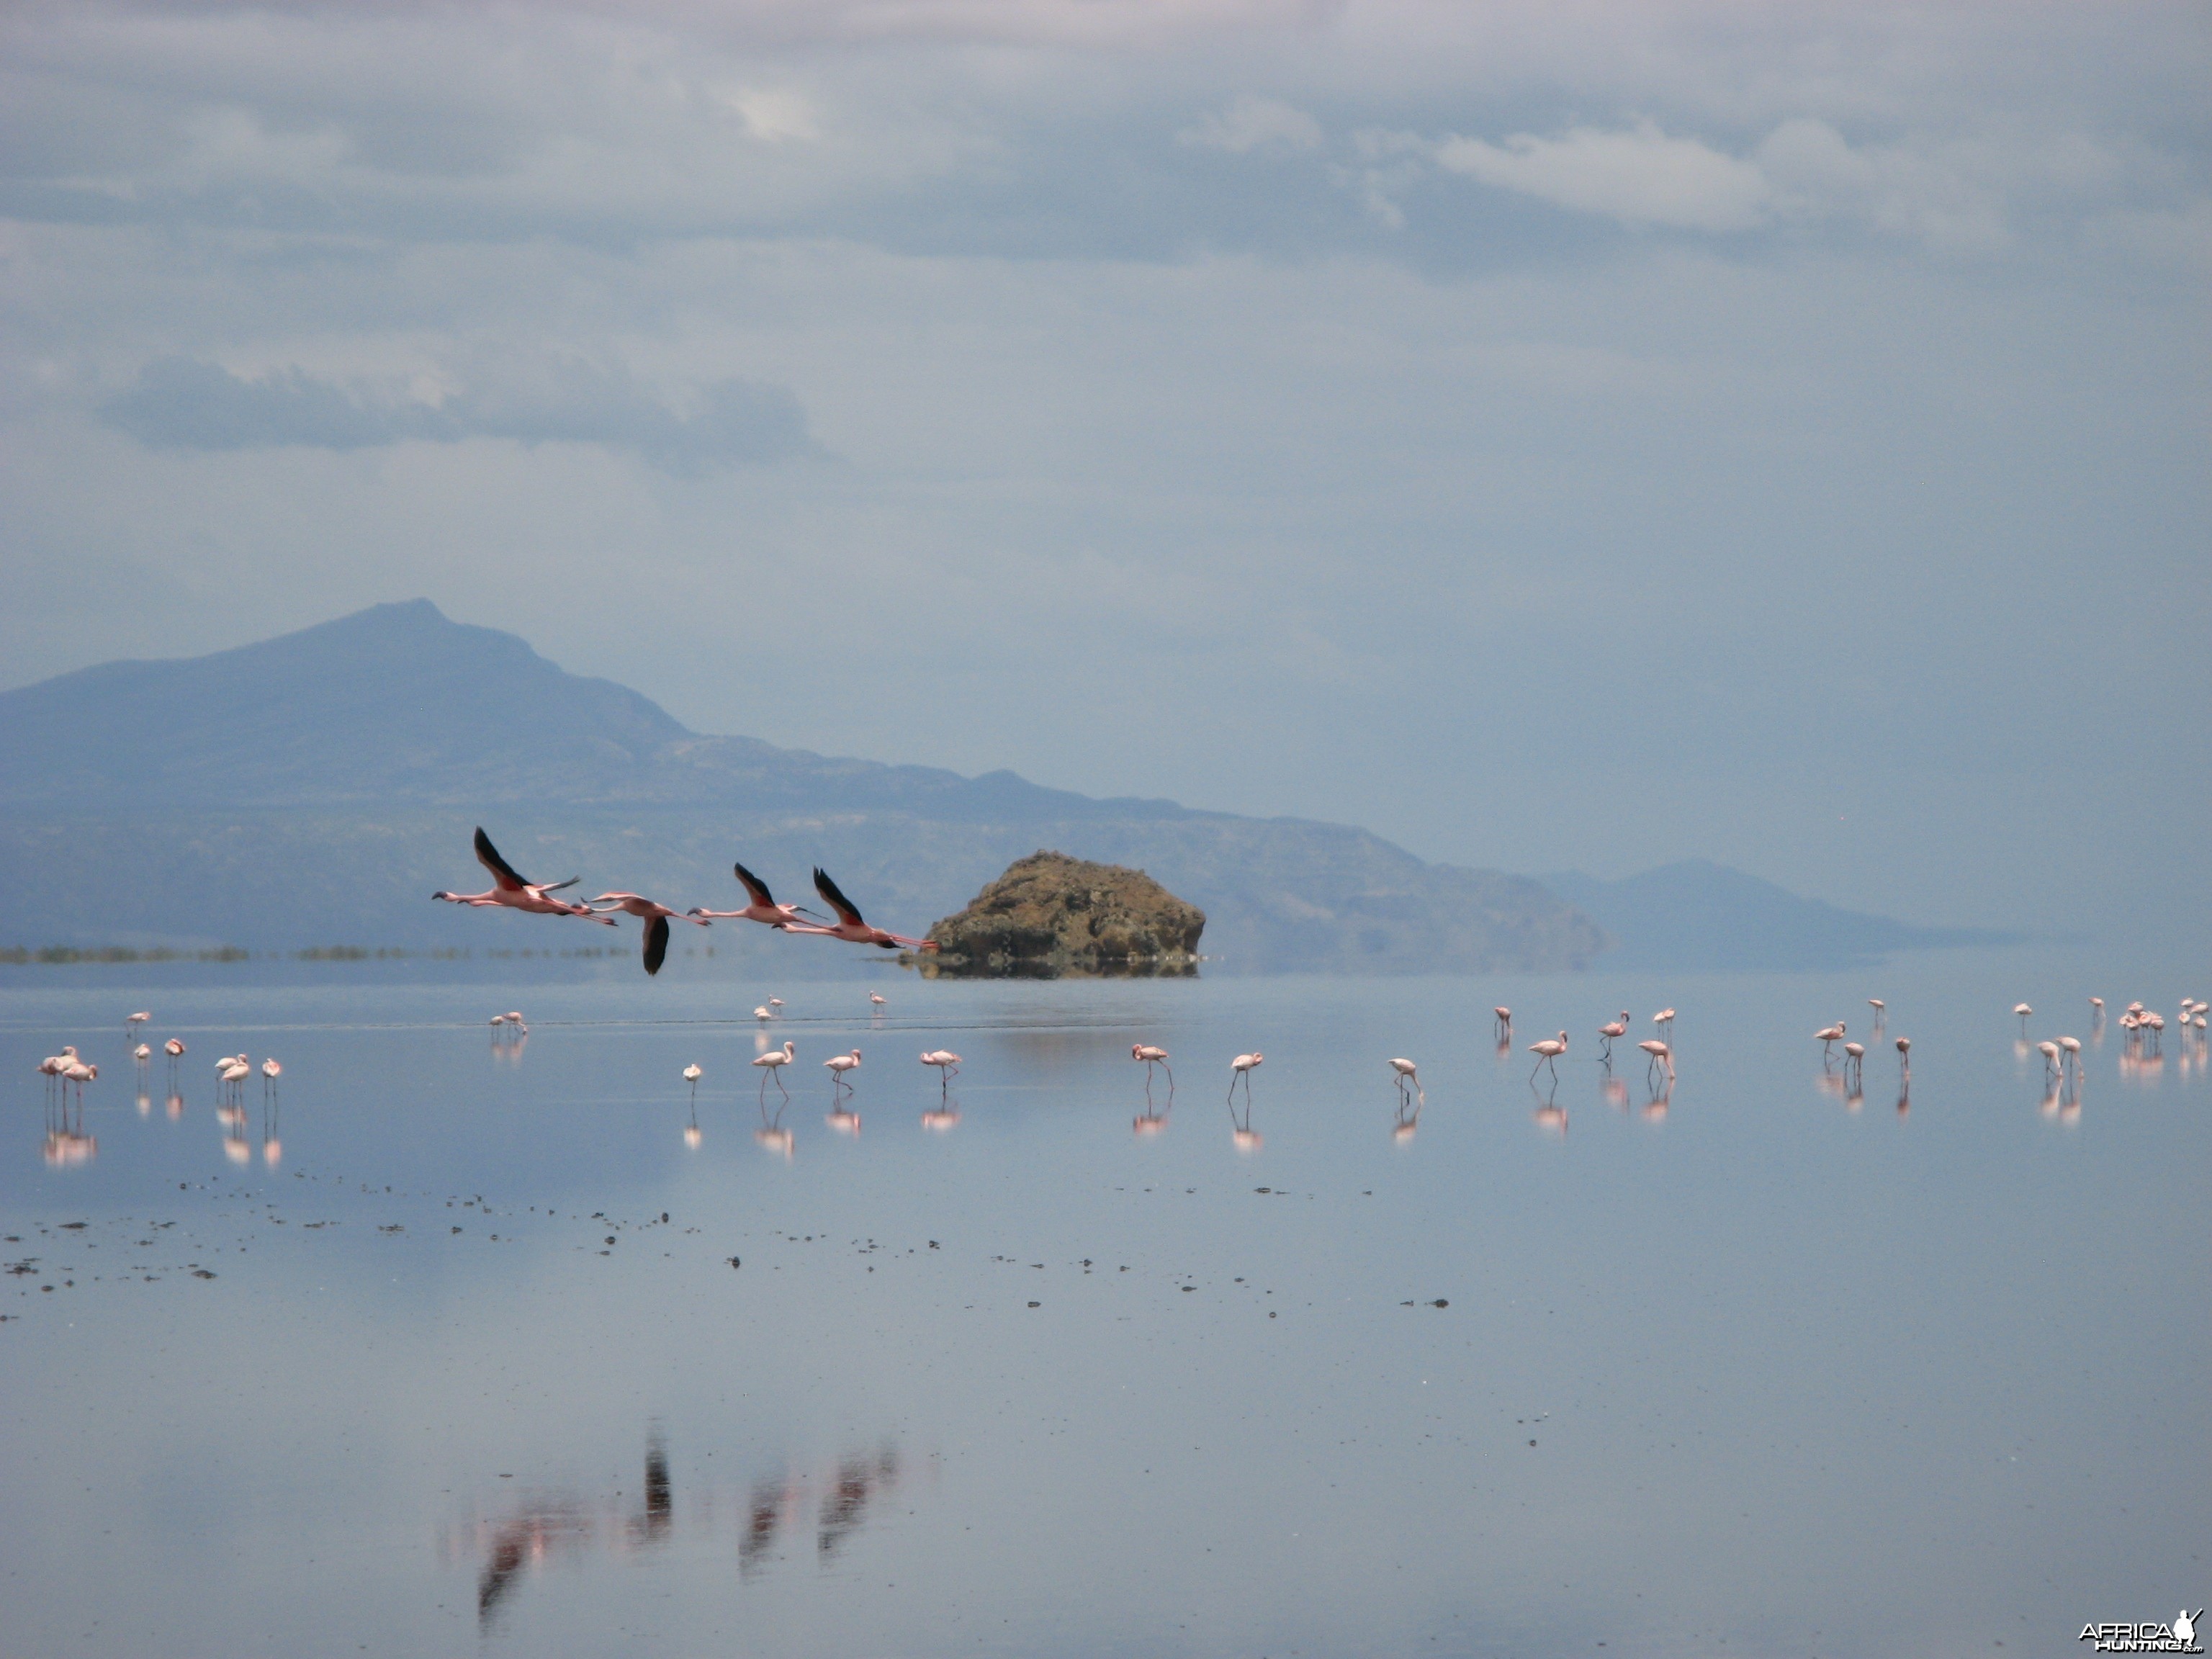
pixel 1050 916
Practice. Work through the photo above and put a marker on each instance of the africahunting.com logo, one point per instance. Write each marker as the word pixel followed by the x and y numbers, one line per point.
pixel 2179 1637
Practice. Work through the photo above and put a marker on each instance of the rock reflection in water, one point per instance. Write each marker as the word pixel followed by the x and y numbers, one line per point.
pixel 835 1505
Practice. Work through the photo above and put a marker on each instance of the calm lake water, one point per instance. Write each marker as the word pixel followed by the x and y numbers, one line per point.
pixel 444 1351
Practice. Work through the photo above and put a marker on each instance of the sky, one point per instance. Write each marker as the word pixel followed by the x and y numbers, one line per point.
pixel 1551 435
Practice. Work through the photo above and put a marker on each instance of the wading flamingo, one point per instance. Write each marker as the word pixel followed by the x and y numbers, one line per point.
pixel 1409 1076
pixel 1657 1053
pixel 1501 1024
pixel 947 1064
pixel 772 1064
pixel 1547 1052
pixel 1827 1036
pixel 1152 1057
pixel 131 1022
pixel 2023 1010
pixel 1242 1066
pixel 175 1048
pixel 691 1075
pixel 270 1071
pixel 1619 1028
pixel 1664 1019
pixel 841 1067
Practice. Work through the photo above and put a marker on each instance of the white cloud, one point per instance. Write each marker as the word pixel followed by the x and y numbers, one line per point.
pixel 1261 124
pixel 1639 176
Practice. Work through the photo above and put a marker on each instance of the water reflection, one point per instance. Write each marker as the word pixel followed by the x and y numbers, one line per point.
pixel 771 1135
pixel 1242 1135
pixel 66 1143
pixel 546 1526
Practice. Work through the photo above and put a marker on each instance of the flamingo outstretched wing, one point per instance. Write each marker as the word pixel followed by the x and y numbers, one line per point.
pixel 656 944
pixel 502 872
pixel 756 889
pixel 837 901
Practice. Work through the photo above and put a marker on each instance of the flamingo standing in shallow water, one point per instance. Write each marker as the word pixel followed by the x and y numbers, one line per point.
pixel 1664 1019
pixel 2023 1010
pixel 1242 1067
pixel 1657 1053
pixel 1619 1028
pixel 1548 1052
pixel 1824 1036
pixel 692 1073
pixel 772 1064
pixel 1409 1076
pixel 841 1068
pixel 1501 1024
pixel 131 1022
pixel 175 1050
pixel 1152 1057
pixel 947 1064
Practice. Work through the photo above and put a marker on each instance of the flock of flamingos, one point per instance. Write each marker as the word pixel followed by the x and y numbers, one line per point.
pixel 67 1072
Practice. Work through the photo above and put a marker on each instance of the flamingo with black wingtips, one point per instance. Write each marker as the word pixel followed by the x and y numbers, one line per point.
pixel 656 917
pixel 849 925
pixel 763 907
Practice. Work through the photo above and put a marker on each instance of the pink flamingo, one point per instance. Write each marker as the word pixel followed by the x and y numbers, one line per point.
pixel 772 1064
pixel 1547 1052
pixel 1828 1035
pixel 511 891
pixel 947 1064
pixel 1152 1057
pixel 656 917
pixel 1501 1024
pixel 840 1066
pixel 1409 1076
pixel 1619 1028
pixel 849 926
pixel 1657 1053
pixel 1242 1066
pixel 763 908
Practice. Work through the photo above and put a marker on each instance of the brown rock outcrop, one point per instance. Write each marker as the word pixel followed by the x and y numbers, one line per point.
pixel 1050 916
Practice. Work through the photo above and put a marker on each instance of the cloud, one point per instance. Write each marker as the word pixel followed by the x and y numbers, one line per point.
pixel 1638 175
pixel 1252 124
pixel 182 402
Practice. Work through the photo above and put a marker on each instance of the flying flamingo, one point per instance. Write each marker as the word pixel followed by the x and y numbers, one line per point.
pixel 1657 1053
pixel 849 925
pixel 692 1074
pixel 1241 1067
pixel 840 1066
pixel 772 1064
pixel 511 891
pixel 656 917
pixel 1547 1052
pixel 1152 1057
pixel 763 907
pixel 1618 1027
pixel 1825 1036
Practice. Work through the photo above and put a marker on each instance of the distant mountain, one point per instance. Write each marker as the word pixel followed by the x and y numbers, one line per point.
pixel 314 789
pixel 1699 914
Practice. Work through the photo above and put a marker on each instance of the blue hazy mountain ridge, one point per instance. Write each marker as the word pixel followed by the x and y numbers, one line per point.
pixel 312 789
pixel 1699 914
